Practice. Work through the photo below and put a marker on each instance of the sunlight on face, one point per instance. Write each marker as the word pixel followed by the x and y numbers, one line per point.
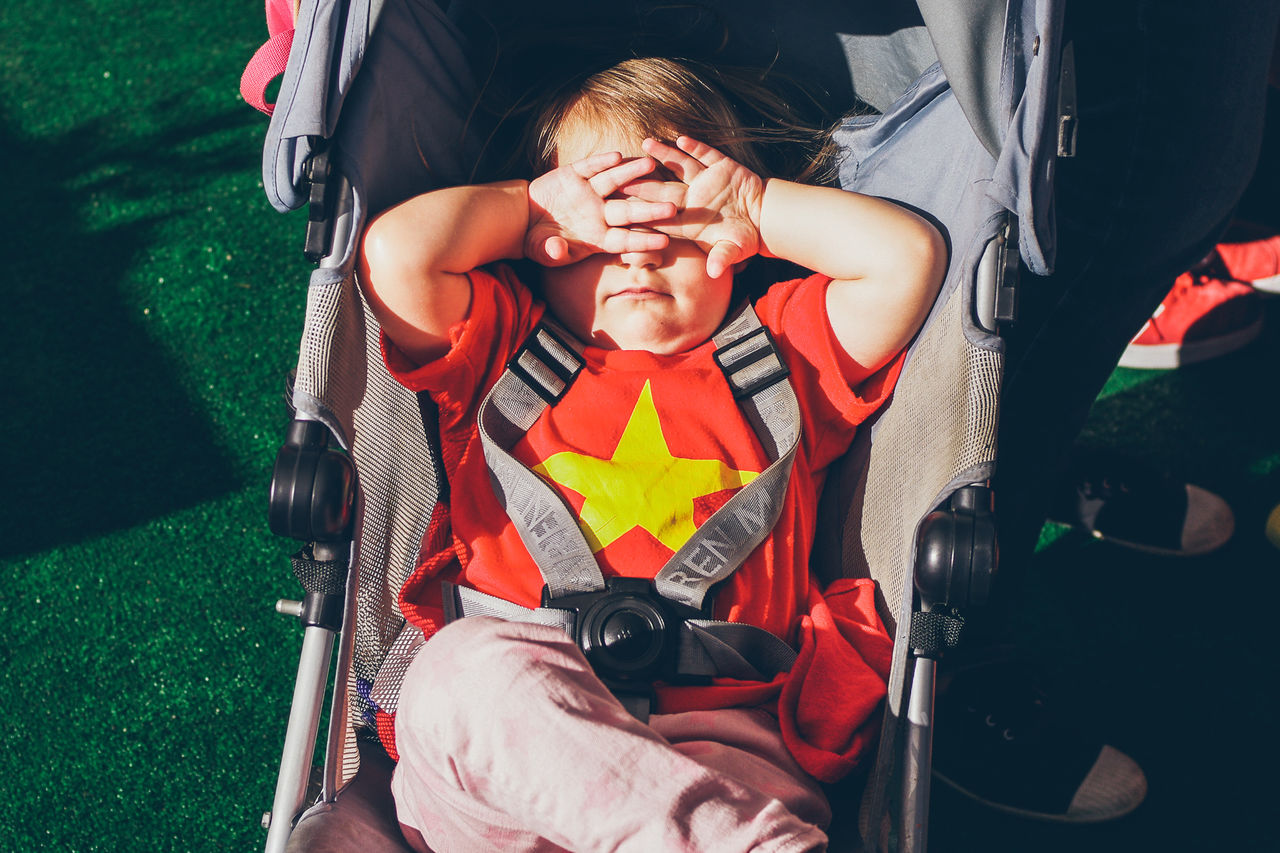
pixel 660 301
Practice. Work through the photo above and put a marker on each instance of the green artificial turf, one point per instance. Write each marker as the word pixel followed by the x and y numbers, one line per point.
pixel 154 302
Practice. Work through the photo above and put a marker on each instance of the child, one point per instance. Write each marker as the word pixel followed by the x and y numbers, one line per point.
pixel 506 737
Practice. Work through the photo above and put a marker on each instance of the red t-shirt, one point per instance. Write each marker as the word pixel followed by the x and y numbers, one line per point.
pixel 645 447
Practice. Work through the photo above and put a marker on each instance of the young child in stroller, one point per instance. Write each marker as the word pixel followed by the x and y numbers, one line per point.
pixel 649 199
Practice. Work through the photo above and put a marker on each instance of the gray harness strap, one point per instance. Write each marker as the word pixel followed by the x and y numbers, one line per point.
pixel 537 377
pixel 706 647
pixel 746 353
pixel 541 373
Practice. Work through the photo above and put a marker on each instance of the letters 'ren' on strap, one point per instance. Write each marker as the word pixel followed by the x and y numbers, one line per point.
pixel 749 358
pixel 537 376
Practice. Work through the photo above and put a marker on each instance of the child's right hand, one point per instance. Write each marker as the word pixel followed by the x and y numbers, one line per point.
pixel 572 214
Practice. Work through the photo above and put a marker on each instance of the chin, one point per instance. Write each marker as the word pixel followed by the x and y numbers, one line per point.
pixel 655 342
pixel 657 331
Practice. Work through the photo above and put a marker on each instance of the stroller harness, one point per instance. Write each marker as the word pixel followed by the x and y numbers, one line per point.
pixel 634 631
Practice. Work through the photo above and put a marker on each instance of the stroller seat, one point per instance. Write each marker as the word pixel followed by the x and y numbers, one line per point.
pixel 957 119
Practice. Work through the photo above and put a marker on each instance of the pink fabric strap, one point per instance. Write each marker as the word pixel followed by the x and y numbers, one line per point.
pixel 266 65
pixel 269 61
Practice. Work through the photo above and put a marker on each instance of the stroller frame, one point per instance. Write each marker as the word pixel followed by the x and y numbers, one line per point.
pixel 995 209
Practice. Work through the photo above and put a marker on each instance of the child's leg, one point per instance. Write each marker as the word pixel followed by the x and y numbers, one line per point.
pixel 507 740
pixel 746 745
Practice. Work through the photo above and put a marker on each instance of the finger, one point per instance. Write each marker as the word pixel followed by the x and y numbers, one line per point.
pixel 700 151
pixel 631 211
pixel 619 240
pixel 607 181
pixel 556 249
pixel 722 256
pixel 656 191
pixel 681 164
pixel 590 166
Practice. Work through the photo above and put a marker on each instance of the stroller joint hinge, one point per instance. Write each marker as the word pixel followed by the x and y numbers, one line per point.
pixel 1068 125
pixel 313 487
pixel 1006 307
pixel 955 562
pixel 319 234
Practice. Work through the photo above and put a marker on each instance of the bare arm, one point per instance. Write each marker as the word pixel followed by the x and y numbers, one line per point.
pixel 886 263
pixel 414 258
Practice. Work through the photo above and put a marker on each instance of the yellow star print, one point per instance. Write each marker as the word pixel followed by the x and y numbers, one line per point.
pixel 642 484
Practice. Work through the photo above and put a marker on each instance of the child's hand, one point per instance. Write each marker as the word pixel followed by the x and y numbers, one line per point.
pixel 718 198
pixel 571 214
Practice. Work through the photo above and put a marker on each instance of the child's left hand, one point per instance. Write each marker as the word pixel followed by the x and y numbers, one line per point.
pixel 718 199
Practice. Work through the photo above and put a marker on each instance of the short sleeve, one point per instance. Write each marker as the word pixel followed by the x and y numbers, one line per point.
pixel 796 312
pixel 502 314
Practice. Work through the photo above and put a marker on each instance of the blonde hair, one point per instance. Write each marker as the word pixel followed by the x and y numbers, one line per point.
pixel 665 98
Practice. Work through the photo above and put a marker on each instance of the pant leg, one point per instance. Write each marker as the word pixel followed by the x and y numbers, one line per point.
pixel 1171 100
pixel 508 741
pixel 746 745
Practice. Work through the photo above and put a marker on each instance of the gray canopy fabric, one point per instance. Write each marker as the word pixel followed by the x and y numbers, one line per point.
pixel 400 107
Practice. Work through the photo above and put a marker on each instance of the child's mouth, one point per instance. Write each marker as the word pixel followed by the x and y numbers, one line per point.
pixel 639 292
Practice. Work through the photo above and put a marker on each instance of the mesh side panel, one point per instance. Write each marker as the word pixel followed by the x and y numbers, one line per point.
pixel 340 366
pixel 942 423
pixel 386 691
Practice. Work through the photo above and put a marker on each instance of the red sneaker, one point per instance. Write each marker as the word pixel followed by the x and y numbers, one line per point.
pixel 1257 262
pixel 1203 317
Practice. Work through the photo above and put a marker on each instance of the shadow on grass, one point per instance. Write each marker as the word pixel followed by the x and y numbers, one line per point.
pixel 98 433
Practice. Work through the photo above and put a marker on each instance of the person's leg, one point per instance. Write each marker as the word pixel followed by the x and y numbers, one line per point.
pixel 508 740
pixel 746 745
pixel 1171 100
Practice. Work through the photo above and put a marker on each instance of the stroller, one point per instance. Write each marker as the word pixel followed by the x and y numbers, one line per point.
pixel 963 109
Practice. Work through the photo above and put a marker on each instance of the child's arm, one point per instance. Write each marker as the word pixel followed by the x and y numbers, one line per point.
pixel 414 258
pixel 886 263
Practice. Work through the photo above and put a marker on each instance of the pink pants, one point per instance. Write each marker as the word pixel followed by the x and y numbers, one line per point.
pixel 509 742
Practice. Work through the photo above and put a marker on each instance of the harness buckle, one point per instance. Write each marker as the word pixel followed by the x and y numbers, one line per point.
pixel 546 363
pixel 629 633
pixel 751 363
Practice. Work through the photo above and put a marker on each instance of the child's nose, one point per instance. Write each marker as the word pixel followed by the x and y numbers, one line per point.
pixel 651 260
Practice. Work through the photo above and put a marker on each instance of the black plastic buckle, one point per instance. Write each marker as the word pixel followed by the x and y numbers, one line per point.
pixel 535 346
pixel 318 239
pixel 731 361
pixel 628 632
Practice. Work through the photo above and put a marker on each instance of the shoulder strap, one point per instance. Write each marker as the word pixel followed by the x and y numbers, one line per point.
pixel 540 374
pixel 748 355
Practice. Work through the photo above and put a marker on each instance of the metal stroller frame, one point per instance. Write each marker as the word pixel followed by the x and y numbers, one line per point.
pixel 973 147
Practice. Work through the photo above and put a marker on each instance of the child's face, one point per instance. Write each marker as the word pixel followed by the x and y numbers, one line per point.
pixel 662 301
